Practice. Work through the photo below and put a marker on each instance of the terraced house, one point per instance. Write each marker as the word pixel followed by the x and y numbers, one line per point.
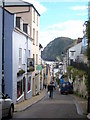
pixel 22 79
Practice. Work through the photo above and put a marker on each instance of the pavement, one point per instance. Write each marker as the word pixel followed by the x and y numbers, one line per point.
pixel 82 103
pixel 27 103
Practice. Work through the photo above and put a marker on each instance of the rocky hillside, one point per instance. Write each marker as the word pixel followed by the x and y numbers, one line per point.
pixel 55 48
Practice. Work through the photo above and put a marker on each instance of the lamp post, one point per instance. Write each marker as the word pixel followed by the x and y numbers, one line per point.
pixel 3 16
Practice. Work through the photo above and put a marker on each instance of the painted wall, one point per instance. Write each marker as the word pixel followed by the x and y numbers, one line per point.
pixel 0 50
pixel 28 18
pixel 19 41
pixel 77 49
pixel 9 26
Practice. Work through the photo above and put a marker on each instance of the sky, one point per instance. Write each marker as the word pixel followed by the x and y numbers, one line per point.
pixel 61 18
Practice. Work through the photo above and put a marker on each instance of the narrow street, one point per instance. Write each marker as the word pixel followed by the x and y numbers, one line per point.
pixel 61 106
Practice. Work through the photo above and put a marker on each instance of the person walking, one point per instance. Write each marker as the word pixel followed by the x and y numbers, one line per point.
pixel 50 89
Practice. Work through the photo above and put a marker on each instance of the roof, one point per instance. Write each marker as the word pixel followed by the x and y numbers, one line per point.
pixel 18 3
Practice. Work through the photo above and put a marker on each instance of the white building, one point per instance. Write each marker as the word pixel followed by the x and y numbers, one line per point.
pixel 18 64
pixel 75 52
pixel 27 12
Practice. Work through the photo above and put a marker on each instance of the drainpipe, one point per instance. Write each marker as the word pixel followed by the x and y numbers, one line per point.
pixel 3 16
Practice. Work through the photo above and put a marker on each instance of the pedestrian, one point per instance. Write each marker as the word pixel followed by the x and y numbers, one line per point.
pixel 50 89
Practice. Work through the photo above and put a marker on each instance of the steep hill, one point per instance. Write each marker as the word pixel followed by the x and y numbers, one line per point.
pixel 55 48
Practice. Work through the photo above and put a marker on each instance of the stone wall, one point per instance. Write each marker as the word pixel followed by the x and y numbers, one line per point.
pixel 79 86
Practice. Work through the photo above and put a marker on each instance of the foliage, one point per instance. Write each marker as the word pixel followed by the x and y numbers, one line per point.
pixel 80 66
pixel 69 68
pixel 86 80
pixel 20 72
pixel 30 69
pixel 80 73
pixel 75 72
pixel 88 54
pixel 57 80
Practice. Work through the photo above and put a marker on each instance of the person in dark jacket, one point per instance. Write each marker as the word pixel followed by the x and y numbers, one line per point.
pixel 50 88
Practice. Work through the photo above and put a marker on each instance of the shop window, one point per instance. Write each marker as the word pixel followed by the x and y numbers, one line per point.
pixel 19 89
pixel 29 83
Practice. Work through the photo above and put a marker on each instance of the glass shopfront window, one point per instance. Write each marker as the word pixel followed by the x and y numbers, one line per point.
pixel 20 87
pixel 29 84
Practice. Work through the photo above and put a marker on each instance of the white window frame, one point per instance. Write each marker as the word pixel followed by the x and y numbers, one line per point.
pixel 20 57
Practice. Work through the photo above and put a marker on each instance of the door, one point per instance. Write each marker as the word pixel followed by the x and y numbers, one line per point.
pixel 33 88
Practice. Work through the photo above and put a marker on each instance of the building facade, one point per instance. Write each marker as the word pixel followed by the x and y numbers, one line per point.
pixel 30 15
pixel 18 65
pixel 74 53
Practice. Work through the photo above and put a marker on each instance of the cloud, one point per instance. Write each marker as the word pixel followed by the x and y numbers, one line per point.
pixel 72 29
pixel 79 8
pixel 40 8
pixel 82 14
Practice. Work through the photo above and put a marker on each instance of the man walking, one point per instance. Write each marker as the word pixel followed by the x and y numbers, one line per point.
pixel 50 88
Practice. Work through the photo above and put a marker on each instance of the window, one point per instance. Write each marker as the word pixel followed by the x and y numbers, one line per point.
pixel 20 87
pixel 33 15
pixel 33 36
pixel 24 59
pixel 28 53
pixel 20 57
pixel 18 22
pixel 37 19
pixel 29 84
pixel 30 31
pixel 37 38
pixel 72 53
pixel 36 59
pixel 25 28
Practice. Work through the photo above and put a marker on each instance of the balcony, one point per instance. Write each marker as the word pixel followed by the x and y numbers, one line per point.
pixel 30 65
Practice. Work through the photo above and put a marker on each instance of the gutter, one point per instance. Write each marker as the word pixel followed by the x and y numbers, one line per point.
pixel 19 11
pixel 29 5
